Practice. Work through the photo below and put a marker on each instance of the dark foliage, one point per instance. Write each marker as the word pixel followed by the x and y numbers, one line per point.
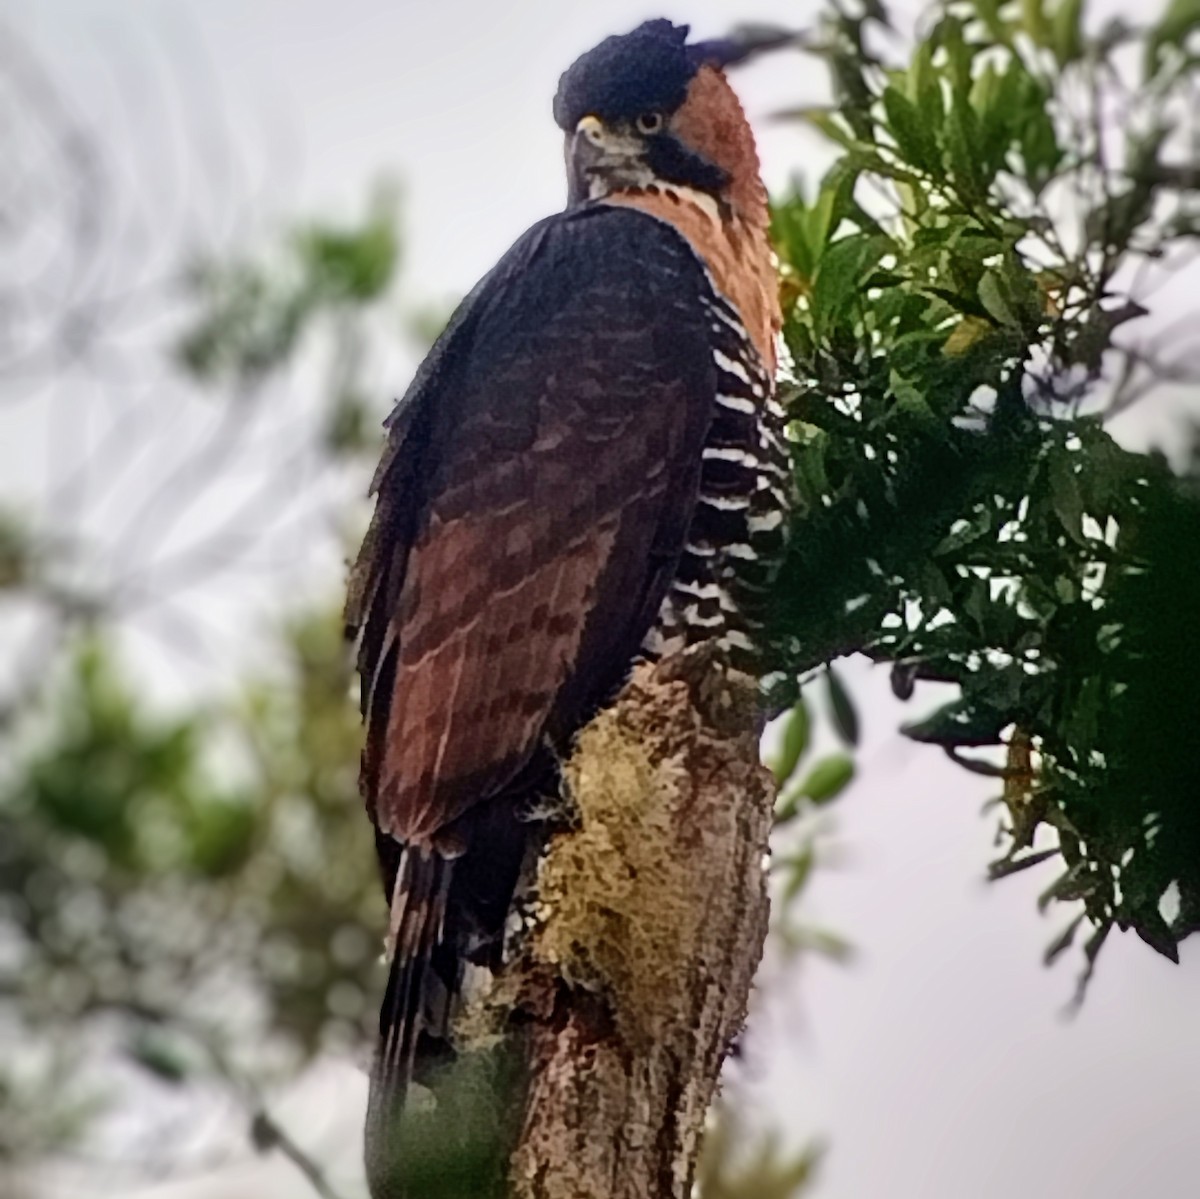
pixel 964 514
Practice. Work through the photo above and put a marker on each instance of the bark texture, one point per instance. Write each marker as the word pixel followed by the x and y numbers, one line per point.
pixel 648 921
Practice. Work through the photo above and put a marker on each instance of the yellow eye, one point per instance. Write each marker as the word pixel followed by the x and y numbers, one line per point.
pixel 649 122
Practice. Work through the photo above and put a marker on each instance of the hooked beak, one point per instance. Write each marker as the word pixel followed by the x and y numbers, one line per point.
pixel 600 159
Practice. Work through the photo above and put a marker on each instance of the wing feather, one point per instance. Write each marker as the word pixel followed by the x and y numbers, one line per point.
pixel 532 507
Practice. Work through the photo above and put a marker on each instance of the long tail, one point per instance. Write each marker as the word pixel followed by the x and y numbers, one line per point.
pixel 416 1001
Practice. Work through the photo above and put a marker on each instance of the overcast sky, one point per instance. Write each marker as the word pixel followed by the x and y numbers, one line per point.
pixel 938 1065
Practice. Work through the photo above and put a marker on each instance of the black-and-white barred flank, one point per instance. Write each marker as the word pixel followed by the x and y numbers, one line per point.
pixel 735 539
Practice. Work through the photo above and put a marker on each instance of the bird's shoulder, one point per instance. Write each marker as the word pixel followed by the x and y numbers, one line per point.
pixel 590 255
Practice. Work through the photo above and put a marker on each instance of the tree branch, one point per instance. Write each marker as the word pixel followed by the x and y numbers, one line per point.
pixel 649 921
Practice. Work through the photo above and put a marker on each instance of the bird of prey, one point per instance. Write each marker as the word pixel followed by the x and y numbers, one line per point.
pixel 585 470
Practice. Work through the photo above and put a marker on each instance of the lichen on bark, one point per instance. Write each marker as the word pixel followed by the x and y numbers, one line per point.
pixel 649 911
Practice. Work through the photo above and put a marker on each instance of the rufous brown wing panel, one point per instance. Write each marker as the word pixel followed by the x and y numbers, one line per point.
pixel 531 511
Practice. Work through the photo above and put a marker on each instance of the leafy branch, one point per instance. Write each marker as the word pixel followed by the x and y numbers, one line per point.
pixel 956 290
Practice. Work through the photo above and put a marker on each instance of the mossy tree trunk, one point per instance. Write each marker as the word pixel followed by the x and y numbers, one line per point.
pixel 650 913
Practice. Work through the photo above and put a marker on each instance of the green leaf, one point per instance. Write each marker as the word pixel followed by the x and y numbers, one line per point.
pixel 1021 289
pixel 985 91
pixel 221 836
pixel 1039 148
pixel 963 150
pixel 827 944
pixel 836 201
pixel 989 14
pixel 925 91
pixel 1156 932
pixel 828 779
pixel 909 400
pixel 840 274
pixel 1180 18
pixel 355 263
pixel 349 427
pixel 913 138
pixel 841 707
pixel 793 736
pixel 965 530
pixel 798 870
pixel 18 550
pixel 994 301
pixel 790 235
pixel 1015 865
pixel 1074 884
pixel 958 724
pixel 1034 23
pixel 1066 31
pixel 828 122
pixel 1063 941
pixel 159 1055
pixel 1065 495
pixel 959 55
pixel 810 468
pixel 852 92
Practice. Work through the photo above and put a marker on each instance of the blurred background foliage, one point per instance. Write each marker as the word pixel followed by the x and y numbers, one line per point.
pixel 187 887
pixel 195 888
pixel 188 900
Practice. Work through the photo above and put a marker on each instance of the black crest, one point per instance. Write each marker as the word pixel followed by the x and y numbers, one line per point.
pixel 646 70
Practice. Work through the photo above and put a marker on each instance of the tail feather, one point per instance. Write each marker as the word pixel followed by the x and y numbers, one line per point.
pixel 418 919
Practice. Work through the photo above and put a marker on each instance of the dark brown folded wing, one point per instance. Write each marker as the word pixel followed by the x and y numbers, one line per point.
pixel 532 506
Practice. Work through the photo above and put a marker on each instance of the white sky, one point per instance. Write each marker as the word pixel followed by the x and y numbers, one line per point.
pixel 938 1066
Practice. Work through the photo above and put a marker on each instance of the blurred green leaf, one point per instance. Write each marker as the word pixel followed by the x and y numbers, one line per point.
pixel 792 742
pixel 913 135
pixel 159 1055
pixel 1067 31
pixel 732 1166
pixel 252 313
pixel 841 707
pixel 18 550
pixel 797 870
pixel 1177 22
pixel 356 264
pixel 827 779
pixel 1034 21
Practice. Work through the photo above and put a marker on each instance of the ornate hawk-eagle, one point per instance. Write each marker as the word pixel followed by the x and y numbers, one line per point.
pixel 585 469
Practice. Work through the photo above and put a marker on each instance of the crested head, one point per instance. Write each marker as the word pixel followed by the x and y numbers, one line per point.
pixel 626 75
pixel 649 108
